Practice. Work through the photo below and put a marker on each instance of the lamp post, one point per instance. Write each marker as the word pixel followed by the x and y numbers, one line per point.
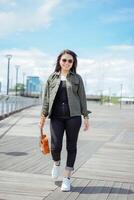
pixel 121 87
pixel 23 83
pixel 8 71
pixel 109 95
pixel 101 97
pixel 17 68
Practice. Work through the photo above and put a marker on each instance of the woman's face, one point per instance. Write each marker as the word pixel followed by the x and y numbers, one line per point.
pixel 66 62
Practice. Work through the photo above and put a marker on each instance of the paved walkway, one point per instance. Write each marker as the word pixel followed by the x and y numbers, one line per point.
pixel 104 168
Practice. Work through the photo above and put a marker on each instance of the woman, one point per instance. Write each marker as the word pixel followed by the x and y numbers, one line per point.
pixel 64 103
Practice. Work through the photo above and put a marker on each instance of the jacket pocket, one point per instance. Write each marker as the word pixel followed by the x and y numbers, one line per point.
pixel 75 85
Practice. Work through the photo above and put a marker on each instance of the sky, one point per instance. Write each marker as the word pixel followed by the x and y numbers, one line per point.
pixel 100 32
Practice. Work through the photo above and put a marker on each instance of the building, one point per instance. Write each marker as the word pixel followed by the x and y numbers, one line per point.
pixel 33 85
pixel 127 100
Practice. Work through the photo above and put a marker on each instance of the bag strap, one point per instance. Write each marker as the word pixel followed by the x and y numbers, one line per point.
pixel 41 131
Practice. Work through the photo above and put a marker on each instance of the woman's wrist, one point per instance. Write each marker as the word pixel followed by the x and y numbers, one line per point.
pixel 43 116
pixel 86 117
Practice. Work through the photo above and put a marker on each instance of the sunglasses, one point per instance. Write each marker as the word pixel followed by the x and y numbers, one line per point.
pixel 69 60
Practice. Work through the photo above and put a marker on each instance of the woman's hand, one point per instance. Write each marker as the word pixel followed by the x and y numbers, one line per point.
pixel 86 124
pixel 42 121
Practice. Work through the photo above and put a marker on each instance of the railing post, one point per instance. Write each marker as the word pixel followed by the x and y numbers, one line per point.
pixel 13 104
pixel 7 107
pixel 2 107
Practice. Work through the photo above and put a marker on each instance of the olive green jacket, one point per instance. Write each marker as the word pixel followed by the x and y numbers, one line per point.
pixel 75 92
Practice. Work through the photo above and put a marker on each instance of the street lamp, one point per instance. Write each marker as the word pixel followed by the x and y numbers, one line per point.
pixel 109 95
pixel 121 87
pixel 8 71
pixel 24 82
pixel 17 68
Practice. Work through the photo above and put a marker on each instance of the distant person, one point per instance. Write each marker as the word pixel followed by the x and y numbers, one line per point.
pixel 64 103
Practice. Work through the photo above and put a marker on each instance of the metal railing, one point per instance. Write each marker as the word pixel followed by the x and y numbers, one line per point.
pixel 12 104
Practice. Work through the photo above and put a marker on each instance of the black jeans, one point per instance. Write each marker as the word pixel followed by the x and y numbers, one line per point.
pixel 57 127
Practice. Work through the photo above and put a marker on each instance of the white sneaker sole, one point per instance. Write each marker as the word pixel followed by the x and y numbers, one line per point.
pixel 65 190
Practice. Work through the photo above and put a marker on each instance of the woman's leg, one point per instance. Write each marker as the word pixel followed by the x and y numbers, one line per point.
pixel 57 132
pixel 72 127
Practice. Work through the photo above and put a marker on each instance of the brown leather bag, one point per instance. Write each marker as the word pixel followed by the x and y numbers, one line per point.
pixel 44 143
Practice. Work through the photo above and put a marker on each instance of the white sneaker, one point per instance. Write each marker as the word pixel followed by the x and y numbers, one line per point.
pixel 66 185
pixel 55 171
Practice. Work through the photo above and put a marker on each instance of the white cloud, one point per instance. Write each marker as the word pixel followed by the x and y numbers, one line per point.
pixel 33 17
pixel 8 23
pixel 30 19
pixel 32 62
pixel 121 47
pixel 98 73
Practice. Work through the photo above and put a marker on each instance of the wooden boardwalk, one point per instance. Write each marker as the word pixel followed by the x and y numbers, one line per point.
pixel 104 168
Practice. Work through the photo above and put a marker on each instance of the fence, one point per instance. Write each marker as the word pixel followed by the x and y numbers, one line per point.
pixel 12 104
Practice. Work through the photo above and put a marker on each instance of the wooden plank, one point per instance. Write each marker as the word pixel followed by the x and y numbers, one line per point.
pixel 131 192
pixel 35 161
pixel 116 189
pixel 96 191
pixel 10 196
pixel 11 159
pixel 103 159
pixel 26 186
pixel 118 145
pixel 22 178
pixel 77 187
pixel 114 157
pixel 123 152
pixel 110 165
pixel 104 175
pixel 58 194
pixel 26 163
pixel 103 195
pixel 87 190
pixel 11 149
pixel 124 190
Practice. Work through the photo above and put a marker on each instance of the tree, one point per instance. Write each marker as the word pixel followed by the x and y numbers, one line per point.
pixel 20 88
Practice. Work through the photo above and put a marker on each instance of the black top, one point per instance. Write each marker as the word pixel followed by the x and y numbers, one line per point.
pixel 60 106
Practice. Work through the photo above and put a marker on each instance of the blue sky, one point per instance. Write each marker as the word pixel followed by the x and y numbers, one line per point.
pixel 101 32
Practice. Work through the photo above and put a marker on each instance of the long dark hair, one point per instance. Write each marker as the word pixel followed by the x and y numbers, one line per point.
pixel 67 51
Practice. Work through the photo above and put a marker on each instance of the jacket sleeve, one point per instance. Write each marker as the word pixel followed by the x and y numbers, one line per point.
pixel 83 101
pixel 45 104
